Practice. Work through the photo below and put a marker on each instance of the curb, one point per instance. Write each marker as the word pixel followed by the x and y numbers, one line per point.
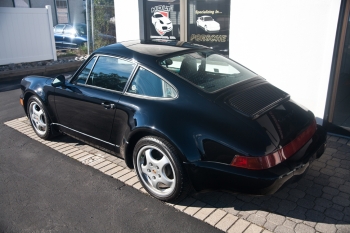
pixel 43 71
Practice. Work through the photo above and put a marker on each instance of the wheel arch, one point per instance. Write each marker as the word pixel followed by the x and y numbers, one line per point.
pixel 136 135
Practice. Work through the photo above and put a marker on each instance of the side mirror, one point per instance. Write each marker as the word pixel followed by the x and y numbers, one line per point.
pixel 59 81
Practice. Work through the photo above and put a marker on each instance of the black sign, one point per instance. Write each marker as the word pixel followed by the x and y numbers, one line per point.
pixel 209 24
pixel 162 19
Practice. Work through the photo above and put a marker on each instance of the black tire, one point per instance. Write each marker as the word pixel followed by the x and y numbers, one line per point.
pixel 38 118
pixel 156 161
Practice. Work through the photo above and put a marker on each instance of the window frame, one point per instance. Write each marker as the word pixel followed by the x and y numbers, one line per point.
pixel 74 82
pixel 126 93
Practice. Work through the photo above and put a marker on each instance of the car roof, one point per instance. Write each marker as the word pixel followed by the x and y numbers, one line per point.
pixel 148 51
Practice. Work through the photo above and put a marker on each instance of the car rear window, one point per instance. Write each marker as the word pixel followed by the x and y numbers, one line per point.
pixel 207 70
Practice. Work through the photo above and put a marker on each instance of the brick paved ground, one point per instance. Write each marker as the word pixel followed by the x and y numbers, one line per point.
pixel 319 202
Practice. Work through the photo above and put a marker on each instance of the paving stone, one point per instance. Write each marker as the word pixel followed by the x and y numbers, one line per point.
pixel 108 167
pixel 85 157
pixel 298 213
pixel 127 176
pixel 342 171
pixel 113 170
pixel 194 208
pixel 314 216
pixel 332 138
pixel 297 193
pixel 322 180
pixel 339 155
pixel 283 229
pixel 271 204
pixel 343 140
pixel 343 228
pixel 309 223
pixel 96 161
pixel 210 198
pixel 314 191
pixel 305 203
pixel 100 165
pixel 302 228
pixel 325 228
pixel 341 201
pixel 275 218
pixel 226 222
pixel 227 199
pixel 244 214
pixel 258 220
pixel 323 202
pixel 262 213
pixel 290 224
pixel 338 207
pixel 120 173
pixel 184 203
pixel 285 206
pixel 333 185
pixel 319 208
pixel 333 163
pixel 204 212
pixel 253 229
pixel 335 214
pixel 244 197
pixel 215 217
pixel 132 181
pixel 80 155
pixel 137 185
pixel 270 226
pixel 239 226
pixel 327 196
pixel 345 188
pixel 331 191
pixel 347 211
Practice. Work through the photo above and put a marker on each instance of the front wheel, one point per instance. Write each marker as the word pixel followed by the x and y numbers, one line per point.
pixel 38 118
pixel 159 169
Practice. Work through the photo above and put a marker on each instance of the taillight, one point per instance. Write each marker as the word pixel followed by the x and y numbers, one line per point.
pixel 270 160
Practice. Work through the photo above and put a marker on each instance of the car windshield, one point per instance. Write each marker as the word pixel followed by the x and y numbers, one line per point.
pixel 208 19
pixel 207 70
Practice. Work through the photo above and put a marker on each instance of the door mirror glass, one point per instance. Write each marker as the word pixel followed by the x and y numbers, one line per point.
pixel 59 81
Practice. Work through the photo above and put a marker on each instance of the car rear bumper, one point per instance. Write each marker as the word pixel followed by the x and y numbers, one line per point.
pixel 212 175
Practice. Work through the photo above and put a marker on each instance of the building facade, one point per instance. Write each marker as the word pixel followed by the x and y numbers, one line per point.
pixel 302 47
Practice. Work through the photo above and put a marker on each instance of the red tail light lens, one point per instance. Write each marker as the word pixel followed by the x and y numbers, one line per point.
pixel 270 160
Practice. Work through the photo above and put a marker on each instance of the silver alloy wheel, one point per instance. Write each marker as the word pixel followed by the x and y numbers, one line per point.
pixel 156 171
pixel 38 118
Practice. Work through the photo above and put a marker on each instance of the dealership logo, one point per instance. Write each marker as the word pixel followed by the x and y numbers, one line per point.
pixel 160 19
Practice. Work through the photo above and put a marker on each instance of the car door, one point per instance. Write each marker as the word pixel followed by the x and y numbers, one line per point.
pixel 86 105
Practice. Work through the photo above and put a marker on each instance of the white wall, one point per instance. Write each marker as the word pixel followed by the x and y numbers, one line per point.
pixel 127 20
pixel 290 43
pixel 26 35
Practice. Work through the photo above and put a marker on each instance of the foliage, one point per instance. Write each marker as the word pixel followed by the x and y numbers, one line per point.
pixel 103 23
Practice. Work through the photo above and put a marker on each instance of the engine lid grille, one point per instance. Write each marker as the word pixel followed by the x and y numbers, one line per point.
pixel 257 100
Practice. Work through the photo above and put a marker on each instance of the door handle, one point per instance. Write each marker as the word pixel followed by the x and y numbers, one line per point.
pixel 108 105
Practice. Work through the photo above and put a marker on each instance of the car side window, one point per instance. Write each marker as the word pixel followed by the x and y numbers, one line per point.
pixel 148 84
pixel 82 77
pixel 59 28
pixel 68 30
pixel 110 73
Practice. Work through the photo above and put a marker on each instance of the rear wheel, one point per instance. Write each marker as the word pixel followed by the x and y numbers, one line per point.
pixel 38 118
pixel 159 169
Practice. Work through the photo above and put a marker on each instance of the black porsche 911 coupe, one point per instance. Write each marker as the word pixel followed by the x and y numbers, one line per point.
pixel 180 114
